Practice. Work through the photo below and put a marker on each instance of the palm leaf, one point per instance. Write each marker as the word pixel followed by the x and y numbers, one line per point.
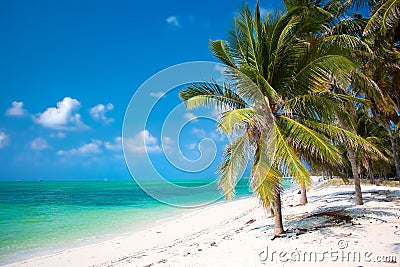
pixel 211 94
pixel 263 176
pixel 229 119
pixel 265 189
pixel 321 105
pixel 222 51
pixel 236 157
pixel 248 90
pixel 287 160
pixel 385 18
pixel 300 136
pixel 325 70
pixel 346 42
pixel 338 134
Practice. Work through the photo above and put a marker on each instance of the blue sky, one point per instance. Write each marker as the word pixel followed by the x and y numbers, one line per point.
pixel 69 69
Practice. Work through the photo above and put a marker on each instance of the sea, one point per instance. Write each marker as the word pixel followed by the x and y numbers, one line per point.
pixel 38 218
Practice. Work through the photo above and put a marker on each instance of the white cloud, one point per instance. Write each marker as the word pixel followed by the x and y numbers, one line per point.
pixel 173 20
pixel 217 112
pixel 99 112
pixel 91 148
pixel 217 136
pixel 191 146
pixel 115 145
pixel 142 142
pixel 16 109
pixel 167 140
pixel 39 144
pixel 168 144
pixel 157 94
pixel 4 139
pixel 57 135
pixel 220 68
pixel 264 12
pixel 190 116
pixel 221 72
pixel 62 117
pixel 199 132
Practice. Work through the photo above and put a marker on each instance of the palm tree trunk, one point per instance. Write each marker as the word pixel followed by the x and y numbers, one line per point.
pixel 354 169
pixel 396 82
pixel 278 227
pixel 370 172
pixel 356 177
pixel 394 151
pixel 303 197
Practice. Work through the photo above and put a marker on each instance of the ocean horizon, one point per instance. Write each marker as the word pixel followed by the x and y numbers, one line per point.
pixel 41 217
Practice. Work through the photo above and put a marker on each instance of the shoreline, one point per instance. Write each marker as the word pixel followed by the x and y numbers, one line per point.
pixel 51 227
pixel 238 232
pixel 151 227
pixel 69 243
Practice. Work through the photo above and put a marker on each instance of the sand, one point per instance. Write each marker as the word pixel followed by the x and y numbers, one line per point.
pixel 329 231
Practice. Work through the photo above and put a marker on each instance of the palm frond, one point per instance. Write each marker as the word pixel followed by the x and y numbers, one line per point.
pixel 323 71
pixel 236 156
pixel 264 155
pixel 385 18
pixel 259 80
pixel 347 43
pixel 249 91
pixel 232 118
pixel 211 94
pixel 265 187
pixel 288 162
pixel 353 27
pixel 246 38
pixel 300 136
pixel 222 51
pixel 321 105
pixel 263 176
pixel 338 134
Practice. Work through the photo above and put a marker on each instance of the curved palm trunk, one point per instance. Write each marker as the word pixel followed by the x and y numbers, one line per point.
pixel 354 169
pixel 356 177
pixel 394 151
pixel 278 227
pixel 303 197
pixel 370 172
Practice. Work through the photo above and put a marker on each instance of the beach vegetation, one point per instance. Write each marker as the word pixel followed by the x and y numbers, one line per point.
pixel 298 89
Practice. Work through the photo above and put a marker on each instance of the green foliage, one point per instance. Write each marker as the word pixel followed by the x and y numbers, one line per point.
pixel 236 157
pixel 385 18
pixel 290 76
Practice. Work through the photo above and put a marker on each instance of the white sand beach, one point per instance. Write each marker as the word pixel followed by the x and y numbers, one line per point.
pixel 328 231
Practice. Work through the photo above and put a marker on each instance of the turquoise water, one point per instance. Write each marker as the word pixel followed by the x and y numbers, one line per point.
pixel 38 216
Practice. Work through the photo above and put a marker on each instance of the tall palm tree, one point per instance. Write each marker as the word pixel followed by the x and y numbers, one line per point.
pixel 350 30
pixel 370 129
pixel 382 33
pixel 277 104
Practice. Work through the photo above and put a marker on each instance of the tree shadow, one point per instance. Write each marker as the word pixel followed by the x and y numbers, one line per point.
pixel 327 216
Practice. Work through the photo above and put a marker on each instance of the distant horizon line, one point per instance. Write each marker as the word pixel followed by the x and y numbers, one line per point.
pixel 115 180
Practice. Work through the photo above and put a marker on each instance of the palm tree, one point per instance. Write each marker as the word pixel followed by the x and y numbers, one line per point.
pixel 277 104
pixel 382 34
pixel 350 31
pixel 370 129
pixel 380 69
